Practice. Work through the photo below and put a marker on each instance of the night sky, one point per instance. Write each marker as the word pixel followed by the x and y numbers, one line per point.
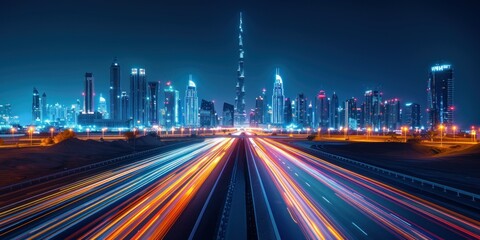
pixel 342 47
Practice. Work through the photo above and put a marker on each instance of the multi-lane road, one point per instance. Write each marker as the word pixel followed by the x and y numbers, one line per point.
pixel 229 188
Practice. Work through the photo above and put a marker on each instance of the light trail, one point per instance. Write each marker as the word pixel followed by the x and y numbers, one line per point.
pixel 372 199
pixel 166 182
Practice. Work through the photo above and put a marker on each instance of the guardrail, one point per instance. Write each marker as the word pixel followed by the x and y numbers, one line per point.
pixel 77 170
pixel 423 182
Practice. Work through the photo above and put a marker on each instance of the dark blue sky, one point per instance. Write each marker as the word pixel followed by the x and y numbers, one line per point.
pixel 331 45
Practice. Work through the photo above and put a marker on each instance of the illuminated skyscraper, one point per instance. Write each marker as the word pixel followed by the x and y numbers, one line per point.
pixel 277 100
pixel 287 112
pixel 373 110
pixel 43 106
pixel 440 96
pixel 153 98
pixel 172 110
pixel 301 111
pixel 115 113
pixel 88 95
pixel 124 100
pixel 259 111
pixel 240 114
pixel 350 114
pixel 208 116
pixel 36 111
pixel 191 104
pixel 138 96
pixel 102 107
pixel 411 115
pixel 322 109
pixel 228 113
pixel 392 114
pixel 334 117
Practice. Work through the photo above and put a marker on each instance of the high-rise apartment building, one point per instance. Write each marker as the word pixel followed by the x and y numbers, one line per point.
pixel 191 104
pixel 115 93
pixel 278 100
pixel 440 96
pixel 138 97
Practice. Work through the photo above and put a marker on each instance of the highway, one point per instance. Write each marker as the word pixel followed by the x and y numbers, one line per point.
pixel 241 187
pixel 134 201
pixel 312 198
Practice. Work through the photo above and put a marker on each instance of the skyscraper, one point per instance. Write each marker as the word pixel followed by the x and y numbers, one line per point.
pixel 277 100
pixel 102 107
pixel 301 110
pixel 373 110
pixel 153 92
pixel 411 115
pixel 322 107
pixel 240 114
pixel 114 110
pixel 138 96
pixel 392 114
pixel 43 106
pixel 440 96
pixel 287 112
pixel 259 111
pixel 171 106
pixel 208 116
pixel 350 113
pixel 228 114
pixel 88 95
pixel 334 118
pixel 36 111
pixel 124 100
pixel 191 104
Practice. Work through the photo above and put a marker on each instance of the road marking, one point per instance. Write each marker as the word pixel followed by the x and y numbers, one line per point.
pixel 296 174
pixel 307 184
pixel 288 167
pixel 326 200
pixel 395 216
pixel 361 230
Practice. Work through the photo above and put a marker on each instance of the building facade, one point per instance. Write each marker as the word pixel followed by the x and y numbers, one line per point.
pixel 138 97
pixel 278 100
pixel 114 91
pixel 440 96
pixel 191 104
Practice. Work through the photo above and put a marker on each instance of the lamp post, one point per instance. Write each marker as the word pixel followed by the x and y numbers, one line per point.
pixel 103 132
pixel 441 135
pixel 384 128
pixel 181 131
pixel 406 132
pixel 30 130
pixel 345 133
pixel 173 129
pixel 474 138
pixel 368 132
pixel 144 132
pixel 13 133
pixel 308 131
pixel 88 133
pixel 328 133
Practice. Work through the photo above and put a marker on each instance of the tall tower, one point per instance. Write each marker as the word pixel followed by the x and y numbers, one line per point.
pixel 153 91
pixel 138 96
pixel 171 106
pixel 440 96
pixel 88 94
pixel 115 91
pixel 277 100
pixel 240 114
pixel 191 104
pixel 44 107
pixel 36 112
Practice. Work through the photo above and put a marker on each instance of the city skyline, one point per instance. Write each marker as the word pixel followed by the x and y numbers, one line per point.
pixel 221 79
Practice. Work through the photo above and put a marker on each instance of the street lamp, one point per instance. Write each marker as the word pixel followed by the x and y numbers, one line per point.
pixel 173 129
pixel 88 133
pixel 103 132
pixel 51 132
pixel 30 130
pixel 181 131
pixel 474 133
pixel 406 131
pixel 441 134
pixel 368 132
pixel 13 133
pixel 308 131
pixel 144 132
pixel 134 139
pixel 319 132
pixel 384 128
pixel 328 130
pixel 345 133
